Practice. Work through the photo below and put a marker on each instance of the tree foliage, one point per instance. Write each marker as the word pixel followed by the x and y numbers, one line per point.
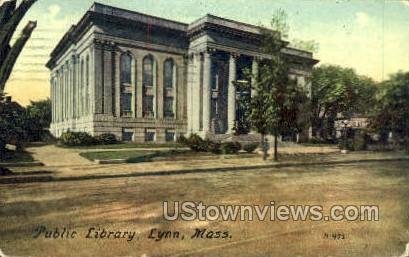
pixel 38 115
pixel 337 90
pixel 392 108
pixel 12 124
pixel 19 125
pixel 277 99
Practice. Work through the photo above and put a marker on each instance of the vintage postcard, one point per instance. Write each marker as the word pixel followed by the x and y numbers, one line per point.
pixel 165 128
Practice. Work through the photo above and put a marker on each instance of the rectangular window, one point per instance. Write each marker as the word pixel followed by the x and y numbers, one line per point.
pixel 168 107
pixel 148 106
pixel 150 135
pixel 127 135
pixel 126 103
pixel 215 110
pixel 170 136
pixel 168 76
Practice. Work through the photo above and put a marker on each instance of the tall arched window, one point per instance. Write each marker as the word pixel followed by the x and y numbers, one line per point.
pixel 126 79
pixel 168 73
pixel 148 71
pixel 168 83
pixel 149 85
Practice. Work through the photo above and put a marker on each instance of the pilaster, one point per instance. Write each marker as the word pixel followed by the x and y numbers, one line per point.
pixel 206 91
pixel 254 71
pixel 231 97
pixel 159 89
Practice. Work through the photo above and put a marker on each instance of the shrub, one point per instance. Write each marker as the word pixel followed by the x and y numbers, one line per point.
pixel 230 147
pixel 315 140
pixel 76 139
pixel 196 143
pixel 360 141
pixel 213 147
pixel 249 148
pixel 183 140
pixel 346 145
pixel 106 139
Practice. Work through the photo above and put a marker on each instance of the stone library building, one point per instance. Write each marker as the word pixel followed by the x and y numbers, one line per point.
pixel 149 79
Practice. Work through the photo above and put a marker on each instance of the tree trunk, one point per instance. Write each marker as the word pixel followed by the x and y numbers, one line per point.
pixel 6 11
pixel 10 26
pixel 275 147
pixel 10 17
pixel 7 67
pixel 263 146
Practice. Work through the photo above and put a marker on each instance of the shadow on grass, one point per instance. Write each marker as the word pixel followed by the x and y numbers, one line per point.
pixel 149 157
pixel 12 156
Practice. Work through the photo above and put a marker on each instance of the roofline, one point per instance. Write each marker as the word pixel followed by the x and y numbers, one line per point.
pixel 93 10
pixel 135 12
pixel 197 22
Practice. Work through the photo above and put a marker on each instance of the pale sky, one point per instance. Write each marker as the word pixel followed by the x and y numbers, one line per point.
pixel 371 36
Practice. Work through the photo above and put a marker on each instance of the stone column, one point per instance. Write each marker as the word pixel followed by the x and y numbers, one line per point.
pixel 176 75
pixel 99 79
pixel 74 86
pixel 108 79
pixel 64 92
pixel 71 89
pixel 117 84
pixel 196 93
pixel 57 97
pixel 67 91
pixel 207 63
pixel 254 71
pixel 160 89
pixel 189 102
pixel 231 97
pixel 87 86
pixel 60 95
pixel 155 88
pixel 139 86
pixel 52 98
pixel 78 85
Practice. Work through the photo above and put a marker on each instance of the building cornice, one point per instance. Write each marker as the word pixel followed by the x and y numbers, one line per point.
pixel 101 14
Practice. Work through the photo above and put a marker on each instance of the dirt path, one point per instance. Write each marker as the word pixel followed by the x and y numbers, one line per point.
pixel 51 155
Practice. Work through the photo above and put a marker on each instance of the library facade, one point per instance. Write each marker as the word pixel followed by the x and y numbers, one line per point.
pixel 149 79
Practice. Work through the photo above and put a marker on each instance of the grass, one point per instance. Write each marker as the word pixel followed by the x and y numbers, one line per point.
pixel 15 157
pixel 136 204
pixel 126 145
pixel 110 155
pixel 319 144
pixel 135 156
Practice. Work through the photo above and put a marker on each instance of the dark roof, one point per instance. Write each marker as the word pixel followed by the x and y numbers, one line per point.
pixel 101 11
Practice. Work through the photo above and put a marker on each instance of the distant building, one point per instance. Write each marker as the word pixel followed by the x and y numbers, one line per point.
pixel 145 78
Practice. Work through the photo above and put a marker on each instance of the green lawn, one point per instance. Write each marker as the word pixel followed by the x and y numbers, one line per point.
pixel 110 155
pixel 127 145
pixel 136 204
pixel 134 156
pixel 14 157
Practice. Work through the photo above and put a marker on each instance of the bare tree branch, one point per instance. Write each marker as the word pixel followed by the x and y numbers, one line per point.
pixel 7 30
pixel 7 67
pixel 6 11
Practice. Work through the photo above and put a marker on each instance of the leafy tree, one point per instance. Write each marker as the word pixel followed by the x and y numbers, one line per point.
pixel 12 123
pixel 38 114
pixel 337 90
pixel 275 106
pixel 392 110
pixel 309 45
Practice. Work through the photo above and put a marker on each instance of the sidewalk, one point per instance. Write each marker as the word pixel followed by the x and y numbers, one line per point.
pixel 94 171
